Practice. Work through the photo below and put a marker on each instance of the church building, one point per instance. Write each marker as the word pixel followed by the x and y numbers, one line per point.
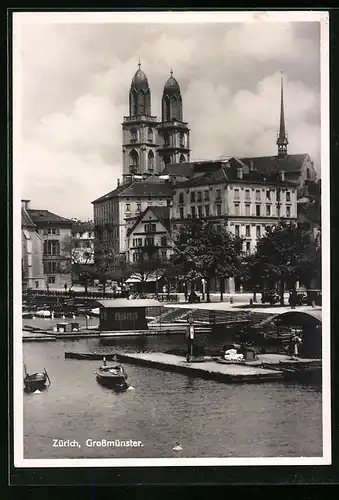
pixel 148 145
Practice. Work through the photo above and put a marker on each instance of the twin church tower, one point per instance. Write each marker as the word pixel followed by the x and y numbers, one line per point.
pixel 148 143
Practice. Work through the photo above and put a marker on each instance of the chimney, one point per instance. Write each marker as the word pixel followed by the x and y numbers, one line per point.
pixel 118 182
pixel 240 173
pixel 25 204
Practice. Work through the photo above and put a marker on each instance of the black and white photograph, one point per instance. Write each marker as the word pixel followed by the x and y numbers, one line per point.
pixel 171 246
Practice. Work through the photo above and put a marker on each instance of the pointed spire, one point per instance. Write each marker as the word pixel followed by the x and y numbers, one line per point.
pixel 171 72
pixel 139 63
pixel 282 141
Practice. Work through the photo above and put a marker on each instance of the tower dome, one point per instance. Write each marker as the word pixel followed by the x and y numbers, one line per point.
pixel 171 86
pixel 140 95
pixel 139 80
pixel 171 100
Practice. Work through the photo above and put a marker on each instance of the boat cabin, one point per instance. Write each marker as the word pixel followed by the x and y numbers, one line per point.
pixel 125 314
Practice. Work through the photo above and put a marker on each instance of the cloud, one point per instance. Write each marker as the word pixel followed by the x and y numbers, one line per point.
pixel 75 85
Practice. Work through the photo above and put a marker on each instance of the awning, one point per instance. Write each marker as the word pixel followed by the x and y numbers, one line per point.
pixel 145 278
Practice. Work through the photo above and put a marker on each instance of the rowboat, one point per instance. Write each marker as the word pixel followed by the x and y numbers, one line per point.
pixel 112 376
pixel 36 381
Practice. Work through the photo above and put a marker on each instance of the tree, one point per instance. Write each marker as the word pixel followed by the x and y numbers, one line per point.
pixel 285 254
pixel 146 265
pixel 79 261
pixel 203 251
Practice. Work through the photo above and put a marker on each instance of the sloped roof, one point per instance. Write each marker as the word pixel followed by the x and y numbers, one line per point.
pixel 162 214
pixel 26 220
pixel 151 187
pixel 81 227
pixel 111 194
pixel 267 164
pixel 141 189
pixel 41 216
pixel 229 175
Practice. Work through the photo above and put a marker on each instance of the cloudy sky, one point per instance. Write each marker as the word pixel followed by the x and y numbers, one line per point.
pixel 74 88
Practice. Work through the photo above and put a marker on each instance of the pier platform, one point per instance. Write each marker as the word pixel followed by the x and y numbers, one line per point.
pixel 208 369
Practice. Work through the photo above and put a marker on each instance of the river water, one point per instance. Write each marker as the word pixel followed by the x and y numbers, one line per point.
pixel 208 418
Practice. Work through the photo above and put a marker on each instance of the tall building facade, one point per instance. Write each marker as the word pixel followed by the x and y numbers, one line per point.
pixel 56 235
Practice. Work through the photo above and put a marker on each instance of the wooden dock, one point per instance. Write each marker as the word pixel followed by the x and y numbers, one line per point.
pixel 208 369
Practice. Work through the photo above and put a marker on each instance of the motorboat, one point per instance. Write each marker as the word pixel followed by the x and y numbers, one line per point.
pixel 36 381
pixel 112 376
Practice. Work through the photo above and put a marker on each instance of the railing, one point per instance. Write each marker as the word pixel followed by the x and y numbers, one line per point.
pixel 141 117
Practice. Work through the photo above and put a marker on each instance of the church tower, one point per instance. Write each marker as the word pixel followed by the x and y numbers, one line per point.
pixel 282 140
pixel 173 132
pixel 139 131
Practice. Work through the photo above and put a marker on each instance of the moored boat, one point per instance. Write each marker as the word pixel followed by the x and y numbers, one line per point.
pixel 112 376
pixel 36 381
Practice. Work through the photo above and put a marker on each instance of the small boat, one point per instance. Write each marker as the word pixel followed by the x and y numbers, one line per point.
pixel 112 376
pixel 36 381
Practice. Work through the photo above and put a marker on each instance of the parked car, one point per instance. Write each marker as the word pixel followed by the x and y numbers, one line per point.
pixel 193 298
pixel 270 297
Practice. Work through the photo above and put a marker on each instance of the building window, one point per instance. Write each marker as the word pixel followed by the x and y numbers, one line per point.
pixel 134 135
pixel 134 161
pixel 308 173
pixel 90 235
pixel 248 231
pixel 52 231
pixel 268 194
pixel 199 196
pixel 207 210
pixel 181 212
pixel 257 210
pixel 192 196
pixel 218 209
pixel 248 247
pixel 51 247
pixel 149 242
pixel 51 279
pixel 200 211
pixel 53 267
pixel 207 195
pixel 258 229
pixel 288 211
pixel 247 194
pixel 182 140
pixel 237 230
pixel 193 211
pixel 247 209
pixel 181 198
pixel 268 210
pixel 257 195
pixel 288 196
pixel 139 242
pixel 163 241
pixel 237 208
pixel 166 139
pixel 128 207
pixel 138 207
pixel 218 194
pixel 163 254
pixel 236 194
pixel 151 161
pixel 150 228
pixel 182 159
pixel 150 135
